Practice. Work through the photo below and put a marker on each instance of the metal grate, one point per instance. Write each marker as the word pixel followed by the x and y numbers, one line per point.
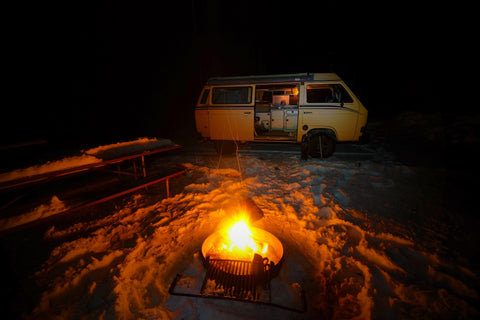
pixel 237 280
pixel 232 278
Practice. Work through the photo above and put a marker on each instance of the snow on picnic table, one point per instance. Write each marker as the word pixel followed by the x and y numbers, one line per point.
pixel 363 239
pixel 93 155
pixel 89 156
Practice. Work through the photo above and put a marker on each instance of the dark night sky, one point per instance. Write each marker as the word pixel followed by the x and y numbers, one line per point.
pixel 109 70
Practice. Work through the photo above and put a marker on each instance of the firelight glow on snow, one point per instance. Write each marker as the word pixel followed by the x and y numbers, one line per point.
pixel 362 239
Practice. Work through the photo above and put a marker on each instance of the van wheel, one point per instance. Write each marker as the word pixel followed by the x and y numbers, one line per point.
pixel 321 146
pixel 225 147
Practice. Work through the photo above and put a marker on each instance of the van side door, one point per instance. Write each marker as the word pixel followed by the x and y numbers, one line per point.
pixel 231 112
pixel 329 106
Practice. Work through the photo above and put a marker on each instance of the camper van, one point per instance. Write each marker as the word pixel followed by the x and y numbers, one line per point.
pixel 315 110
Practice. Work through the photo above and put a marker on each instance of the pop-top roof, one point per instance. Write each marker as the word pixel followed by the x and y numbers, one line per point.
pixel 292 77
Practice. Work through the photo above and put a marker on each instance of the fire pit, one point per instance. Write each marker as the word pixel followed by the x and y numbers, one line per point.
pixel 240 261
pixel 239 258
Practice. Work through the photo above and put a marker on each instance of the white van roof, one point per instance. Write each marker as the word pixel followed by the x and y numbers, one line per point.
pixel 291 77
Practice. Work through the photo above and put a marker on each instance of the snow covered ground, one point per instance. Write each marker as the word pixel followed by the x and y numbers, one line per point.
pixel 364 239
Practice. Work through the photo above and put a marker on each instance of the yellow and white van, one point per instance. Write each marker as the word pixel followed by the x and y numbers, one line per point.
pixel 313 109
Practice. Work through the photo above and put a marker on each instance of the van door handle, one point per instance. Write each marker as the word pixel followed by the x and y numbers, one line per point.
pixel 305 112
pixel 248 112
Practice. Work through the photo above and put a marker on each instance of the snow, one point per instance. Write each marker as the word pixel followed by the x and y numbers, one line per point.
pixel 65 163
pixel 351 233
pixel 369 239
pixel 89 156
pixel 42 211
pixel 120 149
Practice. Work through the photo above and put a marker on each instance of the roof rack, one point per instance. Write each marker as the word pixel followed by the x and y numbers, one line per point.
pixel 291 77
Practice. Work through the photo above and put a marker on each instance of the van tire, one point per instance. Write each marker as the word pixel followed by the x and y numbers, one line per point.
pixel 327 143
pixel 225 147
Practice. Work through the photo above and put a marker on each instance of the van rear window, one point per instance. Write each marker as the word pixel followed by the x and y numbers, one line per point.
pixel 232 95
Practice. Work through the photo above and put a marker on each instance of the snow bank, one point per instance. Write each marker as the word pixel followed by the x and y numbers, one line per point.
pixel 354 247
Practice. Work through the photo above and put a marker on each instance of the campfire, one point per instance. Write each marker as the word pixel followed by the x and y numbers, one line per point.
pixel 239 241
pixel 239 257
pixel 240 262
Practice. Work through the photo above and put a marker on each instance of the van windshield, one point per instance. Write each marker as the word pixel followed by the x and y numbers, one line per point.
pixel 232 95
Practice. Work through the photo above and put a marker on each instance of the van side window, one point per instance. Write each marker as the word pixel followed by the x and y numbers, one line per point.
pixel 232 95
pixel 327 93
pixel 205 96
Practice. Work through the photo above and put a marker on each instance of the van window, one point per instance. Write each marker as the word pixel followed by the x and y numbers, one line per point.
pixel 327 93
pixel 268 94
pixel 232 95
pixel 205 96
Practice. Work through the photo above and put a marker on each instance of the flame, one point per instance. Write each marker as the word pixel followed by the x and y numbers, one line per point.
pixel 240 236
pixel 265 248
pixel 236 238
pixel 239 241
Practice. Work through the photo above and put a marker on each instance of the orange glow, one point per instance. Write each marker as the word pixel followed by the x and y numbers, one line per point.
pixel 240 236
pixel 240 242
pixel 318 86
pixel 236 240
